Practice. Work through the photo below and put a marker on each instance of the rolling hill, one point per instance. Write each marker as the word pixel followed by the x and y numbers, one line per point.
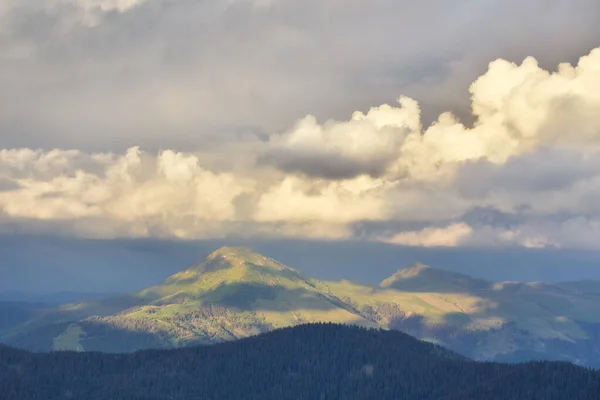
pixel 236 293
pixel 313 361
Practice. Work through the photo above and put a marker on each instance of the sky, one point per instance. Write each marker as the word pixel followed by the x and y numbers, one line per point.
pixel 43 265
pixel 436 124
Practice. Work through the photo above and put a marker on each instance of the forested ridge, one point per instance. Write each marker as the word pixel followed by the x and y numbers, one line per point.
pixel 316 361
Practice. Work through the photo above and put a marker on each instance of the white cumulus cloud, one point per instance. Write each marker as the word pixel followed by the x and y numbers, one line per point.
pixel 531 158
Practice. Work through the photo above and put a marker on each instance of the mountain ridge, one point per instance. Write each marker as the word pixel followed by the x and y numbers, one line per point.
pixel 312 361
pixel 426 278
pixel 236 292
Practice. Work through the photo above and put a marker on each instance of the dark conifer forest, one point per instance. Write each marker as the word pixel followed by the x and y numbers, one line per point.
pixel 316 361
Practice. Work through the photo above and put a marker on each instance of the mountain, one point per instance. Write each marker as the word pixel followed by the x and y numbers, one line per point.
pixel 232 294
pixel 315 361
pixel 423 278
pixel 236 293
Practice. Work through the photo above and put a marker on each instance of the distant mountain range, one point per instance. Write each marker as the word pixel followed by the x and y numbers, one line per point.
pixel 236 293
pixel 50 298
pixel 307 362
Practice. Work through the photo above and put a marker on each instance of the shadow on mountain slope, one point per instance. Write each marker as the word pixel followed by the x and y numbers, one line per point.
pixel 253 296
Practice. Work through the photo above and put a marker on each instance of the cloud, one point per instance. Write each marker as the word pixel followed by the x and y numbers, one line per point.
pixel 106 75
pixel 517 109
pixel 170 192
pixel 545 170
pixel 366 144
pixel 574 232
pixel 171 195
pixel 449 236
pixel 525 173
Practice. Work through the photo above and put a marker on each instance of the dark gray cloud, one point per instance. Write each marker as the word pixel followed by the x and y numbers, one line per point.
pixel 329 166
pixel 169 73
pixel 540 171
pixel 481 217
pixel 8 184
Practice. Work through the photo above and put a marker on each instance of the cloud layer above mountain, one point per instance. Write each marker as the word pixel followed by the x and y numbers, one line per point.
pixel 219 119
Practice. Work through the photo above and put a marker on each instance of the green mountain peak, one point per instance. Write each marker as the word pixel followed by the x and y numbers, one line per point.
pixel 420 277
pixel 233 252
pixel 233 257
pixel 226 260
pixel 225 273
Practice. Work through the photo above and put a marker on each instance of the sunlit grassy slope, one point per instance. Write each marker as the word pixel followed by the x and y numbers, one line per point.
pixel 69 339
pixel 236 293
